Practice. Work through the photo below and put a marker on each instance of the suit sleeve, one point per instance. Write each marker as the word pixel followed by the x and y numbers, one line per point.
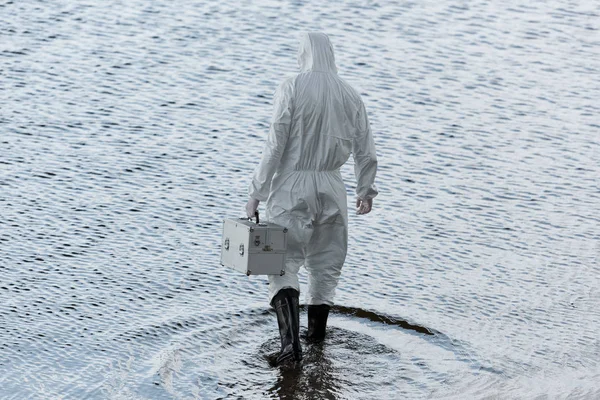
pixel 276 141
pixel 365 157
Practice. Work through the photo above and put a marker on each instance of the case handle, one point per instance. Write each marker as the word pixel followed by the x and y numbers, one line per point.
pixel 255 216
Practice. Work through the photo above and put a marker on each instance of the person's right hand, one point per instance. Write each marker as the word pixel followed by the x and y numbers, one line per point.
pixel 363 206
pixel 251 207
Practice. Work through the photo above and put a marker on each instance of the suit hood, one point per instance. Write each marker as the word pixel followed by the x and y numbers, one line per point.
pixel 316 53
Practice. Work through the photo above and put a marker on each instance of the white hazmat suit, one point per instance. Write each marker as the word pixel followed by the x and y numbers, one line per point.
pixel 318 121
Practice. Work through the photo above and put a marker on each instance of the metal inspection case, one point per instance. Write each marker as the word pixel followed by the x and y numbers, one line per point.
pixel 253 248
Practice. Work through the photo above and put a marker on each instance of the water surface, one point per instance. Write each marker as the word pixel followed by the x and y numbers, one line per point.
pixel 129 130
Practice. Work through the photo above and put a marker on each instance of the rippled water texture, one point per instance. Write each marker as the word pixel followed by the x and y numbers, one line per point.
pixel 129 130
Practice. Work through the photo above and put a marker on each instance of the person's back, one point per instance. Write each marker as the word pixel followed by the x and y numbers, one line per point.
pixel 321 101
pixel 319 120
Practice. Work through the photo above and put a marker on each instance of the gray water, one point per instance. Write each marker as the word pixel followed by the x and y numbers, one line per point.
pixel 129 130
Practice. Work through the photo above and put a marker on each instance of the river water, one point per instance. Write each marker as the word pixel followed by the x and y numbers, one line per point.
pixel 129 130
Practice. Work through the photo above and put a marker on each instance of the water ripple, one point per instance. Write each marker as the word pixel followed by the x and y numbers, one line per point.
pixel 129 131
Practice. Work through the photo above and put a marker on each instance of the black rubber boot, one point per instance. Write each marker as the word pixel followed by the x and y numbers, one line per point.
pixel 317 322
pixel 286 305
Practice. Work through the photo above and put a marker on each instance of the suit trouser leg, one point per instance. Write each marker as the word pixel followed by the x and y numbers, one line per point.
pixel 297 239
pixel 325 256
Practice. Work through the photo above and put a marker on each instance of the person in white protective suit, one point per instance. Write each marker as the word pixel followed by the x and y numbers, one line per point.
pixel 318 121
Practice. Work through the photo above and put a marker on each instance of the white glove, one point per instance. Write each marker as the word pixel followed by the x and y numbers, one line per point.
pixel 363 206
pixel 251 207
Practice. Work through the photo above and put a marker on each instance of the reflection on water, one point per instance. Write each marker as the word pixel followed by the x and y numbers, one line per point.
pixel 129 130
pixel 313 378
